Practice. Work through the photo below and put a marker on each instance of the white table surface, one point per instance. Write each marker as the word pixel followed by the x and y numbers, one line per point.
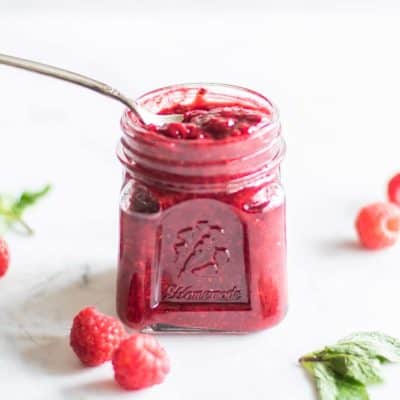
pixel 335 75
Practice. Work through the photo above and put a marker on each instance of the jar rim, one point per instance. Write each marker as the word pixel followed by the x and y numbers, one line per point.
pixel 232 159
pixel 129 119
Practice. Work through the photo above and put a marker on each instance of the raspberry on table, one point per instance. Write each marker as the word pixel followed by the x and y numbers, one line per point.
pixel 4 257
pixel 95 336
pixel 140 362
pixel 393 190
pixel 378 225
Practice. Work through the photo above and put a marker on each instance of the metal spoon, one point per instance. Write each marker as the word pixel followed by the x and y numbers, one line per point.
pixel 142 113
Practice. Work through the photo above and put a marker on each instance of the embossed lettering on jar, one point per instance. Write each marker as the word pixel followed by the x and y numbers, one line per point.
pixel 202 223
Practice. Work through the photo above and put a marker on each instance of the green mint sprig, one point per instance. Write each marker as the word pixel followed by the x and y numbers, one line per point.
pixel 13 209
pixel 343 371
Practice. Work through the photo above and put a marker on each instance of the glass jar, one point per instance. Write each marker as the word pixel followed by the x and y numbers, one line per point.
pixel 202 222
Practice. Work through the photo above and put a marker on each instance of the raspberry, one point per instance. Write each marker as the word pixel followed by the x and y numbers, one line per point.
pixel 209 122
pixel 139 362
pixel 175 130
pixel 94 336
pixel 4 257
pixel 394 190
pixel 222 122
pixel 378 225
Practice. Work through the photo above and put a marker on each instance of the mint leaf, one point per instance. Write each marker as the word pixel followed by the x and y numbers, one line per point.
pixel 324 380
pixel 332 387
pixel 349 390
pixel 371 344
pixel 342 371
pixel 28 199
pixel 364 371
pixel 12 210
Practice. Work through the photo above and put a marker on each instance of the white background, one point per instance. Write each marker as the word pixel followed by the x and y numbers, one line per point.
pixel 333 68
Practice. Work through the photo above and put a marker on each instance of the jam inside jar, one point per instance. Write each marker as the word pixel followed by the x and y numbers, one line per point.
pixel 202 213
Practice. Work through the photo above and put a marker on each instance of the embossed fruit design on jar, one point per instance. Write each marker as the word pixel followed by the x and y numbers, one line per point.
pixel 202 225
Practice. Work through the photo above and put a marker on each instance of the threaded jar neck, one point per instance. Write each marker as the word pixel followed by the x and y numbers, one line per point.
pixel 202 165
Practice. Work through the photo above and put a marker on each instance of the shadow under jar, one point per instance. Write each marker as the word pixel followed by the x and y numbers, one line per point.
pixel 202 223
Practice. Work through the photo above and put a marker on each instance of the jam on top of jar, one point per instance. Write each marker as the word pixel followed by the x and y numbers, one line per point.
pixel 206 119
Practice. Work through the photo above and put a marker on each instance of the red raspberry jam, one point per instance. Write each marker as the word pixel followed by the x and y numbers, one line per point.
pixel 202 226
pixel 211 120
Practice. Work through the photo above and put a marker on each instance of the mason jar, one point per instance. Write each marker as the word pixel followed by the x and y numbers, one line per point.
pixel 202 221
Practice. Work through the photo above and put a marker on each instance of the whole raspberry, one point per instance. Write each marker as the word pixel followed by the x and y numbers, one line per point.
pixel 139 362
pixel 393 190
pixel 95 336
pixel 378 225
pixel 4 257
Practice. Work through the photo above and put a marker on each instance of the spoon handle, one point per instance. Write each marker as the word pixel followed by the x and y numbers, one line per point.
pixel 69 76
